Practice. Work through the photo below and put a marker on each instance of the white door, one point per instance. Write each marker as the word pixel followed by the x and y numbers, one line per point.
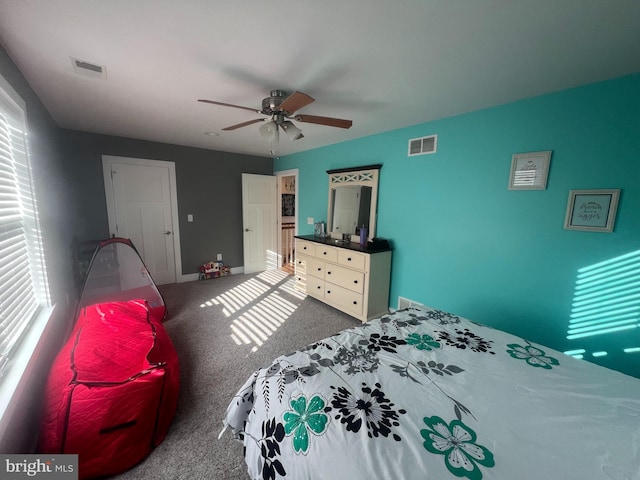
pixel 259 222
pixel 140 204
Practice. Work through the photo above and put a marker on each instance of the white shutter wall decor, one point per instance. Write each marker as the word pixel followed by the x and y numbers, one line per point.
pixel 23 285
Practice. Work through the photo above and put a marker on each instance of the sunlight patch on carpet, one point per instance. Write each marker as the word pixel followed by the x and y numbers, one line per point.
pixel 258 307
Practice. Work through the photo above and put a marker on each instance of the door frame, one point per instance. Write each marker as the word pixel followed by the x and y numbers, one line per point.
pixel 107 161
pixel 286 173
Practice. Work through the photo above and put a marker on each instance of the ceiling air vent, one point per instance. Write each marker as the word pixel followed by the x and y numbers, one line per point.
pixel 423 146
pixel 89 69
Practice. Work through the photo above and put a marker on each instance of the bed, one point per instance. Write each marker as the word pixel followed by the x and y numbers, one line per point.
pixel 421 393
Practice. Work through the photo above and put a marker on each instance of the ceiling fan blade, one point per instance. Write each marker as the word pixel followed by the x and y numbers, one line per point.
pixel 295 102
pixel 229 105
pixel 244 124
pixel 330 122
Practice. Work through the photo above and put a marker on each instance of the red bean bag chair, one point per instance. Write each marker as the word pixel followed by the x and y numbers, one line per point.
pixel 113 388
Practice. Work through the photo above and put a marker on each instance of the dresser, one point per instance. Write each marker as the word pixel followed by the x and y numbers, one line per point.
pixel 348 277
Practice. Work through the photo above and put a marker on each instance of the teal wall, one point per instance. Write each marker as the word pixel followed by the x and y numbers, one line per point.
pixel 465 243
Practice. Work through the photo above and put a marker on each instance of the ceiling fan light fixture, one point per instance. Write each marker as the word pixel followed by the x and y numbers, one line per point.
pixel 269 131
pixel 293 132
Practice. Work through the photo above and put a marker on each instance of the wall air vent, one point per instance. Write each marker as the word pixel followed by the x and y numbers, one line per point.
pixel 423 146
pixel 89 69
pixel 406 303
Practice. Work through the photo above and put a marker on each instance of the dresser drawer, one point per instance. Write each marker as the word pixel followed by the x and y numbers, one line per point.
pixel 301 272
pixel 301 264
pixel 316 267
pixel 344 299
pixel 345 277
pixel 351 259
pixel 306 248
pixel 330 254
pixel 315 287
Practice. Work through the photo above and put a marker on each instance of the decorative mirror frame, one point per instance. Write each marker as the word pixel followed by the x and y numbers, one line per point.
pixel 366 176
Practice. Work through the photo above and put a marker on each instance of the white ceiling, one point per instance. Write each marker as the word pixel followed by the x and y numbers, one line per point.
pixel 383 64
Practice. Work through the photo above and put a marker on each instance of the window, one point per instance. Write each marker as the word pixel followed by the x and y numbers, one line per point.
pixel 24 294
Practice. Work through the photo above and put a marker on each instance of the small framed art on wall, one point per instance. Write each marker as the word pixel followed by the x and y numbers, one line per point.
pixel 592 210
pixel 529 171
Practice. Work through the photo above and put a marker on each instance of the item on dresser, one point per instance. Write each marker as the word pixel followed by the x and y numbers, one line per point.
pixel 363 235
pixel 319 230
pixel 343 274
pixel 424 394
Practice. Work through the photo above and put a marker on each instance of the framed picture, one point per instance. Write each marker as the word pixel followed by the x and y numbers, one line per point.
pixel 592 210
pixel 288 205
pixel 529 171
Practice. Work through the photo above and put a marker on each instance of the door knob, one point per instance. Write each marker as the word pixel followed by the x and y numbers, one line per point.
pixel 167 232
pixel 247 230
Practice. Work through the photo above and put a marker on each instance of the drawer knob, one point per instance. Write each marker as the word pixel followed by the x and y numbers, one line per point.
pixel 349 259
pixel 355 303
pixel 324 253
pixel 355 281
pixel 319 268
pixel 328 273
pixel 318 287
pixel 328 291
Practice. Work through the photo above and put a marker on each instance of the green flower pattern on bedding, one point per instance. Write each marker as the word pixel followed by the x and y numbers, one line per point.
pixel 533 355
pixel 422 342
pixel 305 418
pixel 457 442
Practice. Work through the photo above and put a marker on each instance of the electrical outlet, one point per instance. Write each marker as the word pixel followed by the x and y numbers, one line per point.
pixel 219 257
pixel 309 220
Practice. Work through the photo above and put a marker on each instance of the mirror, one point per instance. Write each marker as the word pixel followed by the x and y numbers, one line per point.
pixel 353 194
pixel 351 206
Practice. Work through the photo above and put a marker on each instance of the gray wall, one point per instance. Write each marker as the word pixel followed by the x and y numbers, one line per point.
pixel 208 182
pixel 54 202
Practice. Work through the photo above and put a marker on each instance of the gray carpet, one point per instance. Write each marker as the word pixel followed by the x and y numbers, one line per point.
pixel 224 329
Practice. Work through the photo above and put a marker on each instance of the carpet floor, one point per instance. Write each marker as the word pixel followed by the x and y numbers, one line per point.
pixel 223 330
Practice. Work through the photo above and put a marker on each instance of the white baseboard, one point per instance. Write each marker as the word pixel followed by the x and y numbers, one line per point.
pixel 190 277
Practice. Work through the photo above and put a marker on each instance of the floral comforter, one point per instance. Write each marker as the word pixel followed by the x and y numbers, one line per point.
pixel 423 394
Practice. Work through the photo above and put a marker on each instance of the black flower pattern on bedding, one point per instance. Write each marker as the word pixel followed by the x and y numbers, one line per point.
pixel 371 408
pixel 464 339
pixel 377 342
pixel 357 359
pixel 399 323
pixel 286 374
pixel 272 435
pixel 443 318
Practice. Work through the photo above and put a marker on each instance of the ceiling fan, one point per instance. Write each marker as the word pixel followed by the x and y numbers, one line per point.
pixel 280 109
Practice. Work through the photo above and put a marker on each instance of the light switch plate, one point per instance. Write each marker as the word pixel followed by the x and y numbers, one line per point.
pixel 190 217
pixel 309 220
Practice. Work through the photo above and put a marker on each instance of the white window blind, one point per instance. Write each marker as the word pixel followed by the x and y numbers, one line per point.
pixel 23 282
